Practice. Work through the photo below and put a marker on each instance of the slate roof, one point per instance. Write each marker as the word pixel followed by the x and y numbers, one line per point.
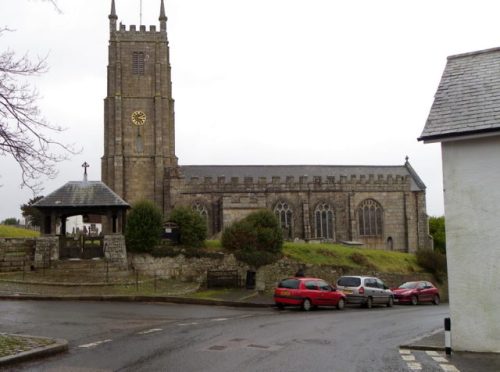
pixel 297 171
pixel 82 194
pixel 467 101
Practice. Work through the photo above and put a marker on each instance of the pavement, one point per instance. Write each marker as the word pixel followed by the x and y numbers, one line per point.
pixel 431 343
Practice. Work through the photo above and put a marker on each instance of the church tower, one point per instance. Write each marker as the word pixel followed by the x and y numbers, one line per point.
pixel 139 138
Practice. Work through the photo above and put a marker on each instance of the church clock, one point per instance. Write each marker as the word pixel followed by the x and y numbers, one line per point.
pixel 138 118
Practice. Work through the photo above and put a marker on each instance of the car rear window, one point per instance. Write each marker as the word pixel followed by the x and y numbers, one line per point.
pixel 349 281
pixel 289 283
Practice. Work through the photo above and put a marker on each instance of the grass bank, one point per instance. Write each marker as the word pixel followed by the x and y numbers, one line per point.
pixel 344 256
pixel 15 232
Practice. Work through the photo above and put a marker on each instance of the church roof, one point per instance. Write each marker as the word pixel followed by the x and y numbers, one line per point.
pixel 467 101
pixel 82 194
pixel 268 171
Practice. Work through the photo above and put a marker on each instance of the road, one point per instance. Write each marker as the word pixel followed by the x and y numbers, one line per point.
pixel 112 336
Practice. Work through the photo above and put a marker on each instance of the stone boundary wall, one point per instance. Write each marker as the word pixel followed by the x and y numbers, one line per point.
pixel 195 270
pixel 16 254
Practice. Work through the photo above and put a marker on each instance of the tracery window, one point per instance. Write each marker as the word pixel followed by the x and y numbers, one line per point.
pixel 201 209
pixel 324 218
pixel 284 214
pixel 370 218
pixel 138 63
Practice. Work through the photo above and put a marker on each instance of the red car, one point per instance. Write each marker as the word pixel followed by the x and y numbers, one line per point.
pixel 307 293
pixel 416 292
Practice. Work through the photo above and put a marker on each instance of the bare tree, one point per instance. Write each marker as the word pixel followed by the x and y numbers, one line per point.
pixel 23 130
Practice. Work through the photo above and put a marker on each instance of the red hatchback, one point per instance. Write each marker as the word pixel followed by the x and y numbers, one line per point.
pixel 307 293
pixel 415 292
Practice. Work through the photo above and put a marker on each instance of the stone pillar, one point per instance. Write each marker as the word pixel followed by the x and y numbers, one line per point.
pixel 115 250
pixel 46 250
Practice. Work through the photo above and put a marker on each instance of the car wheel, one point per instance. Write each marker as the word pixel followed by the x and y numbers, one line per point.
pixel 390 303
pixel 306 305
pixel 280 306
pixel 341 304
pixel 369 303
pixel 414 300
pixel 435 300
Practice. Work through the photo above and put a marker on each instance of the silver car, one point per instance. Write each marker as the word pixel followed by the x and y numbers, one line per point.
pixel 365 290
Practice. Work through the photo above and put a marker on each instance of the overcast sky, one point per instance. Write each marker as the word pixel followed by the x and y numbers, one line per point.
pixel 259 81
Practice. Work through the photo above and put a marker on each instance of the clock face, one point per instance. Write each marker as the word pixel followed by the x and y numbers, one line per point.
pixel 138 118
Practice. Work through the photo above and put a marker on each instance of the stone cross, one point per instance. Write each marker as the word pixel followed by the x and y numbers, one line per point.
pixel 85 165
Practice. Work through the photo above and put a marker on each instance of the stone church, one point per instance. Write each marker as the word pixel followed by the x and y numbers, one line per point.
pixel 380 207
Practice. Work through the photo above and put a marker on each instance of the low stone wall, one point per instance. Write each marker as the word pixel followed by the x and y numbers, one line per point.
pixel 195 270
pixel 183 268
pixel 16 254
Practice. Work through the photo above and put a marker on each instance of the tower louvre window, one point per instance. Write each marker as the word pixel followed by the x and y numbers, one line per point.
pixel 138 63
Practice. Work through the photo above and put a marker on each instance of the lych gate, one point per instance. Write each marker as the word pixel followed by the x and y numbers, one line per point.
pixel 93 200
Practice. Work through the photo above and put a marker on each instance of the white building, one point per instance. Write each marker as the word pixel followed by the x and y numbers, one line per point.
pixel 465 118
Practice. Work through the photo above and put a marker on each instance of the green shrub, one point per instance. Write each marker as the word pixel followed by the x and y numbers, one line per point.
pixel 257 239
pixel 434 262
pixel 144 227
pixel 192 227
pixel 437 230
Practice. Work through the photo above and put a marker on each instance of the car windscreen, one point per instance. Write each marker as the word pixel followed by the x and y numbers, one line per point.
pixel 409 285
pixel 289 283
pixel 349 281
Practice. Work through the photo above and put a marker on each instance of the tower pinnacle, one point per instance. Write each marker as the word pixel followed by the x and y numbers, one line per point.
pixel 163 17
pixel 112 17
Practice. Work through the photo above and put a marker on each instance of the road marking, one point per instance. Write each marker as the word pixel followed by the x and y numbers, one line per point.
pixel 187 324
pixel 408 358
pixel 219 319
pixel 449 368
pixel 152 330
pixel 92 344
pixel 440 359
pixel 414 366
pixel 432 353
pixel 404 351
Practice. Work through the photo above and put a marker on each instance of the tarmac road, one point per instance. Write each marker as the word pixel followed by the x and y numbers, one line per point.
pixel 110 336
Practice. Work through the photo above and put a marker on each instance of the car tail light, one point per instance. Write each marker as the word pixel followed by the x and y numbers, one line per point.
pixel 361 290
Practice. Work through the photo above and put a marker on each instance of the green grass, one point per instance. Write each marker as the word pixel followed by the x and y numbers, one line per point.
pixel 342 256
pixel 15 232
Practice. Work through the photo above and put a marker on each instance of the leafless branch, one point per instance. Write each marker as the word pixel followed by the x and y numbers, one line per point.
pixel 23 130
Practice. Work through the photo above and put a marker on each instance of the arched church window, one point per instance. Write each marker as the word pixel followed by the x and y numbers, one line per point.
pixel 201 209
pixel 324 221
pixel 138 63
pixel 284 214
pixel 370 218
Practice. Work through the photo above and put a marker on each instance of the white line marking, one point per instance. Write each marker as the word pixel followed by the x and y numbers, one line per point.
pixel 440 359
pixel 219 319
pixel 414 366
pixel 404 351
pixel 95 343
pixel 408 358
pixel 187 324
pixel 432 353
pixel 449 368
pixel 150 331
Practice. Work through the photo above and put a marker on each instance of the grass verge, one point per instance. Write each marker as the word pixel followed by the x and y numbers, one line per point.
pixel 15 232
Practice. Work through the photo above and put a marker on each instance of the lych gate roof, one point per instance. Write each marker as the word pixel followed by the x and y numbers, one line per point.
pixel 82 194
pixel 467 101
pixel 268 171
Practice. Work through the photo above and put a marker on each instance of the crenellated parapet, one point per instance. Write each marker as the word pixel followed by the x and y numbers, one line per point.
pixel 353 182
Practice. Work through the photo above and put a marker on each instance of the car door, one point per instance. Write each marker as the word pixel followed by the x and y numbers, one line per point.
pixel 371 289
pixel 383 292
pixel 312 291
pixel 328 295
pixel 425 292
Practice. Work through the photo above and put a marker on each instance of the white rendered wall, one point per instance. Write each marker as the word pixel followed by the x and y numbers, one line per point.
pixel 471 178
